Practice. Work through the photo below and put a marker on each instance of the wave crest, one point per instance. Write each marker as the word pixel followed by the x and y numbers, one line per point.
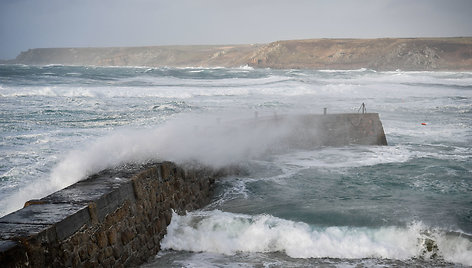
pixel 229 233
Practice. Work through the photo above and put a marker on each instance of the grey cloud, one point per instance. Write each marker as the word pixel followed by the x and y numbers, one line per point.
pixel 77 23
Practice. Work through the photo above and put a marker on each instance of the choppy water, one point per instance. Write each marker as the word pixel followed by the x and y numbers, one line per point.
pixel 409 203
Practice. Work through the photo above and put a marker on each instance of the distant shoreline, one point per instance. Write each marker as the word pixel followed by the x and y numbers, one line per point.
pixel 383 54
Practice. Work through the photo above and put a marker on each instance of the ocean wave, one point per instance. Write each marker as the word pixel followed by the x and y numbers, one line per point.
pixel 47 91
pixel 245 67
pixel 229 233
pixel 360 70
pixel 52 65
pixel 166 87
pixel 194 82
pixel 366 77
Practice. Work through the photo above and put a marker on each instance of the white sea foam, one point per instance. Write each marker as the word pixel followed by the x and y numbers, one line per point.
pixel 235 188
pixel 49 91
pixel 229 233
pixel 365 86
pixel 364 77
pixel 163 87
pixel 356 156
pixel 361 70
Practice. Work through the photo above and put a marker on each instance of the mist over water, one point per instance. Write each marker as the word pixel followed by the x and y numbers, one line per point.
pixel 293 206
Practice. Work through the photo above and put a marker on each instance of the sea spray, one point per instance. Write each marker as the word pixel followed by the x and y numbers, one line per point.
pixel 205 139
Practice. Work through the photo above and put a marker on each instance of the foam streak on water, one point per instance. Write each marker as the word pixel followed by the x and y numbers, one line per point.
pixel 406 204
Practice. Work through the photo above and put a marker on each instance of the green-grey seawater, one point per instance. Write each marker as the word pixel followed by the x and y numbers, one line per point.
pixel 405 204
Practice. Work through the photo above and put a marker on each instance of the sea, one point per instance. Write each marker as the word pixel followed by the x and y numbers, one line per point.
pixel 405 204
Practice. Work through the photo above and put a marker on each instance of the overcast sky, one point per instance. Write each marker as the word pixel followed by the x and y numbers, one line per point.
pixel 28 24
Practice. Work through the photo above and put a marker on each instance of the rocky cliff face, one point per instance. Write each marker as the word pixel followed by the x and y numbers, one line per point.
pixel 172 56
pixel 378 54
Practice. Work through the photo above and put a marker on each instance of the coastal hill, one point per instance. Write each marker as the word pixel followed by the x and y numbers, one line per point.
pixel 415 54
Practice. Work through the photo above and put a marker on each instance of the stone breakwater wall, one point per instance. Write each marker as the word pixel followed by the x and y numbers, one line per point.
pixel 118 217
pixel 309 131
pixel 113 219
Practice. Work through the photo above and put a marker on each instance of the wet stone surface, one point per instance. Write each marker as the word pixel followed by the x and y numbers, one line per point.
pixel 114 218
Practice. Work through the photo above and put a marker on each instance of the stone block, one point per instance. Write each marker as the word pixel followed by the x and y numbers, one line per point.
pixel 45 222
pixel 87 190
pixel 10 252
pixel 101 257
pixel 66 262
pixel 127 236
pixel 108 252
pixel 109 202
pixel 102 239
pixel 167 217
pixel 92 250
pixel 41 232
pixel 117 252
pixel 90 264
pixel 76 261
pixel 83 254
pixel 73 223
pixel 112 236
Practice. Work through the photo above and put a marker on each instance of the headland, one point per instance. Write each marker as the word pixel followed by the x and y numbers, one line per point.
pixel 383 54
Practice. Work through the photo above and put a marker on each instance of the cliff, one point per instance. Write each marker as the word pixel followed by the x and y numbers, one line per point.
pixel 155 56
pixel 379 54
pixel 418 54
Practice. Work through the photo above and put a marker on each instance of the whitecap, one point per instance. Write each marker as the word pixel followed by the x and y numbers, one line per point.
pixel 229 233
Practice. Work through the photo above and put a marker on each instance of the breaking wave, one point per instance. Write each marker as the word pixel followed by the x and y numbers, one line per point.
pixel 228 233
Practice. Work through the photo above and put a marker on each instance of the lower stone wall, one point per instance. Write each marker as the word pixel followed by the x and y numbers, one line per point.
pixel 110 219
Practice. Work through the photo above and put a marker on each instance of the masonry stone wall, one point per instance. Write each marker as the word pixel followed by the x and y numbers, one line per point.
pixel 110 219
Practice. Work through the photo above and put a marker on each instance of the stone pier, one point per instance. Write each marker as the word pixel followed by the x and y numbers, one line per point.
pixel 309 131
pixel 117 218
pixel 114 218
